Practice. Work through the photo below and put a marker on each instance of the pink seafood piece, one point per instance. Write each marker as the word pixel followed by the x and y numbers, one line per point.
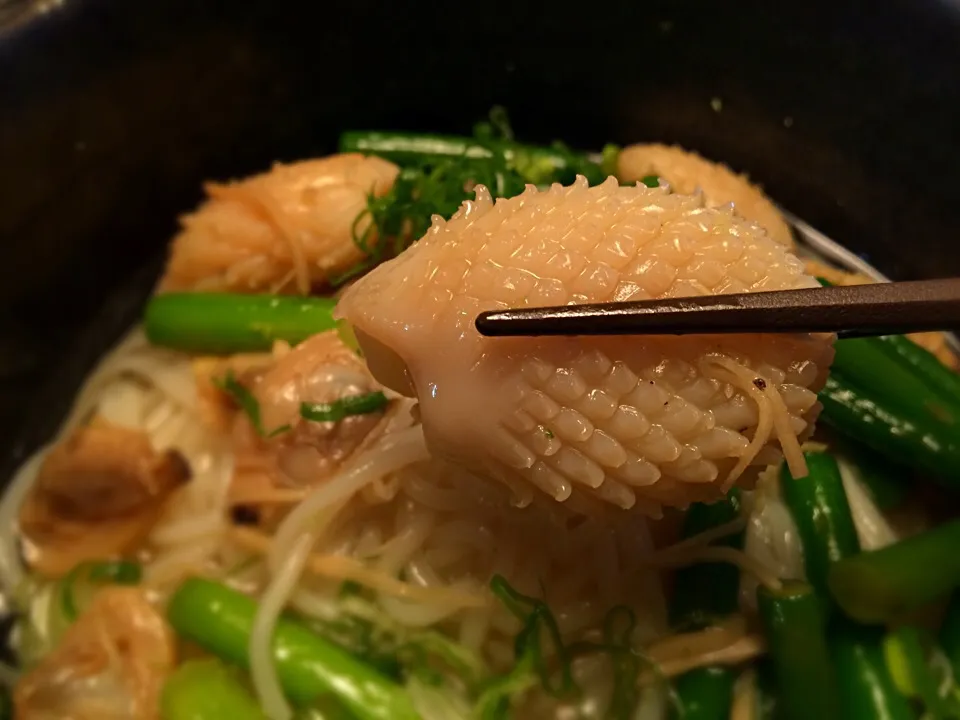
pixel 631 421
pixel 286 230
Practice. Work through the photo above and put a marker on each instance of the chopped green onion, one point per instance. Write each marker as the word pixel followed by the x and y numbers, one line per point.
pixel 344 407
pixel 618 626
pixel 494 701
pixel 537 618
pixel 538 621
pixel 248 403
pixel 651 181
pixel 436 185
pixel 396 651
pixel 118 572
pixel 439 172
pixel 626 663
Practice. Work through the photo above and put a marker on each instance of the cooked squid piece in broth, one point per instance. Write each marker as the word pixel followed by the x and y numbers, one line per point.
pixel 645 422
pixel 687 173
pixel 286 230
pixel 110 665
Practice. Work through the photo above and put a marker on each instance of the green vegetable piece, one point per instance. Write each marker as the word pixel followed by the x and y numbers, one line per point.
pixel 867 691
pixel 535 164
pixel 326 708
pixel 704 694
pixel 942 380
pixel 248 403
pixel 907 660
pixel 884 376
pixel 344 407
pixel 819 506
pixel 928 445
pixel 411 148
pixel 618 627
pixel 880 585
pixel 207 690
pixel 902 372
pixel 227 323
pixel 434 186
pixel 619 624
pixel 496 695
pixel 766 707
pixel 220 620
pixel 610 156
pixel 704 593
pixel 794 624
pixel 6 704
pixel 439 172
pixel 651 181
pixel 707 591
pixel 950 633
pixel 80 583
pixel 531 665
pixel 537 619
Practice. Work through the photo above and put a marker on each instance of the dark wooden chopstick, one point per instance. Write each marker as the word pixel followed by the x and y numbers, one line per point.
pixel 858 310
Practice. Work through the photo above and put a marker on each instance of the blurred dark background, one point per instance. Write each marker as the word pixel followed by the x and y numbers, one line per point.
pixel 112 112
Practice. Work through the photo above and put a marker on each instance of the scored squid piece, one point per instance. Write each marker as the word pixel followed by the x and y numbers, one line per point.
pixel 687 172
pixel 289 229
pixel 631 421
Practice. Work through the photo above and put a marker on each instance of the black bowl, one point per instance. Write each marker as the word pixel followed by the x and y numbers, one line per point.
pixel 113 112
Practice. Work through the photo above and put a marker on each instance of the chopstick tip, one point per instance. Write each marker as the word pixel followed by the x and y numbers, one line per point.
pixel 486 323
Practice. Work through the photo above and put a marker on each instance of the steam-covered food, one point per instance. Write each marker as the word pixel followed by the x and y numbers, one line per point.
pixel 307 488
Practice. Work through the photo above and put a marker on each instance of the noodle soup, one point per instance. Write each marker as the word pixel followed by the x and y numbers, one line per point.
pixel 306 487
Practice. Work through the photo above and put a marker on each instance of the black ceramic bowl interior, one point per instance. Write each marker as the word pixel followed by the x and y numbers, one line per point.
pixel 113 112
